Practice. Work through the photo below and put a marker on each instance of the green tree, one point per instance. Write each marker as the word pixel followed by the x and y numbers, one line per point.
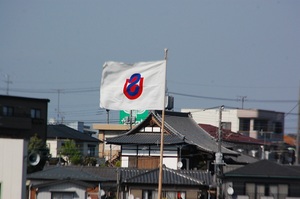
pixel 37 148
pixel 71 152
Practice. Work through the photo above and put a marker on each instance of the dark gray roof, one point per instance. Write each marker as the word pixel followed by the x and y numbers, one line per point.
pixel 264 169
pixel 61 131
pixel 183 125
pixel 56 182
pixel 170 177
pixel 241 159
pixel 144 138
pixel 63 173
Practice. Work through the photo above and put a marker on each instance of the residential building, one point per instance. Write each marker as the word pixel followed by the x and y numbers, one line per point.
pixel 262 179
pixel 23 117
pixel 259 124
pixel 238 142
pixel 65 182
pixel 20 119
pixel 121 183
pixel 109 151
pixel 177 184
pixel 59 133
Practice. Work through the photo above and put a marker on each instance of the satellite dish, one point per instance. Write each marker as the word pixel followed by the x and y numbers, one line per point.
pixel 230 191
pixel 34 159
pixel 131 196
pixel 179 164
pixel 102 192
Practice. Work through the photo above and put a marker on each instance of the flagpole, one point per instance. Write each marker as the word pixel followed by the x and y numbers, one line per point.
pixel 162 138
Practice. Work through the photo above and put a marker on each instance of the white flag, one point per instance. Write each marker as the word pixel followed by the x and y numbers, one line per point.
pixel 136 86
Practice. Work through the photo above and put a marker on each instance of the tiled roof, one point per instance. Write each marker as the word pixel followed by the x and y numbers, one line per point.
pixel 290 140
pixel 265 169
pixel 241 159
pixel 170 177
pixel 230 136
pixel 144 138
pixel 61 131
pixel 183 125
pixel 56 182
pixel 127 175
pixel 63 173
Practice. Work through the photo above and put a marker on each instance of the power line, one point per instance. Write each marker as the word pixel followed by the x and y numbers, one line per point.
pixel 71 90
pixel 231 99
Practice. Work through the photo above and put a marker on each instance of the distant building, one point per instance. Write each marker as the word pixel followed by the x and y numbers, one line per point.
pixel 23 117
pixel 259 124
pixel 109 151
pixel 60 133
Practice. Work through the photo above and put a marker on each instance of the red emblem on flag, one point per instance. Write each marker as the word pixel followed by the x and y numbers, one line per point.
pixel 133 86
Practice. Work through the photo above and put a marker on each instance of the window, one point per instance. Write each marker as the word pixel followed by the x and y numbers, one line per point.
pixel 278 127
pixel 149 194
pixel 260 125
pixel 35 113
pixel 91 150
pixel 8 111
pixel 244 124
pixel 277 191
pixel 226 125
pixel 62 195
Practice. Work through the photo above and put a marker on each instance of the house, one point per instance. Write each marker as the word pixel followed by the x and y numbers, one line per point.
pixel 64 182
pixel 178 184
pixel 109 151
pixel 185 144
pixel 238 142
pixel 259 124
pixel 262 179
pixel 23 117
pixel 59 133
pixel 79 181
pixel 20 119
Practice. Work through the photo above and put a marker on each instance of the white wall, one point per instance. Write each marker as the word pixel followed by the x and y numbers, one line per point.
pixel 211 116
pixel 52 144
pixel 170 155
pixel 13 166
pixel 45 192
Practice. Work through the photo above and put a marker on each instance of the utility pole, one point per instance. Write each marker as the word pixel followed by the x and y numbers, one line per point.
pixel 298 133
pixel 58 107
pixel 219 157
pixel 242 98
pixel 7 81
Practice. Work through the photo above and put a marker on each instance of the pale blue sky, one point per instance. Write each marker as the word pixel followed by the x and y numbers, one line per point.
pixel 217 49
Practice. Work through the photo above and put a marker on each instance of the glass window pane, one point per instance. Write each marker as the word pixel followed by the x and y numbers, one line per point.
pixel 260 191
pixel 274 191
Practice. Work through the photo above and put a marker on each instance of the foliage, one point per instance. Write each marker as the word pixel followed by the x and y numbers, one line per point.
pixel 37 146
pixel 71 152
pixel 88 160
pixel 118 163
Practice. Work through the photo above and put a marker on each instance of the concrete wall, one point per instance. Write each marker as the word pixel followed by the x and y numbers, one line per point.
pixel 13 166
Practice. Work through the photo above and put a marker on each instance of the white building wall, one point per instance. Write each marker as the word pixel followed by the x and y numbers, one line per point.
pixel 52 144
pixel 13 166
pixel 45 193
pixel 211 116
pixel 170 159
